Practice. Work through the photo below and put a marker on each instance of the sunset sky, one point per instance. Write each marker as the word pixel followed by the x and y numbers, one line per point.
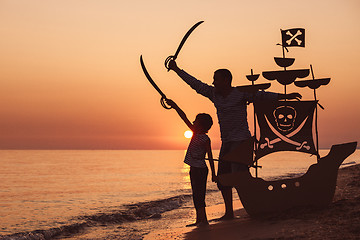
pixel 71 78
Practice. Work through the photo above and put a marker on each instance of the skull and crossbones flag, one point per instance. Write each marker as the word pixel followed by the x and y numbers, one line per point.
pixel 294 37
pixel 285 126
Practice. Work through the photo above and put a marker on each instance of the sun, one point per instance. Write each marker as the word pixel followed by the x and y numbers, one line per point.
pixel 188 134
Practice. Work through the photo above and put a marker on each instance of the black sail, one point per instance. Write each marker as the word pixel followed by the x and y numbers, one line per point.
pixel 285 126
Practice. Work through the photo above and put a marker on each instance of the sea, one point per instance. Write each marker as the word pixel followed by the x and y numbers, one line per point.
pixel 53 193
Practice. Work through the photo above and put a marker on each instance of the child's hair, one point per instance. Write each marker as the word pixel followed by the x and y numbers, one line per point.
pixel 205 121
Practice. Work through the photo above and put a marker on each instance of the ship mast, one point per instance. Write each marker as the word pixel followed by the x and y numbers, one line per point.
pixel 283 52
pixel 316 118
pixel 253 77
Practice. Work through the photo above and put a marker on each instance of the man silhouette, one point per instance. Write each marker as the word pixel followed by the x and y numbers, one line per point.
pixel 231 106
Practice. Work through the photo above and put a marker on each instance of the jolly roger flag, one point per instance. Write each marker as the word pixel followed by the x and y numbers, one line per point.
pixel 285 126
pixel 294 37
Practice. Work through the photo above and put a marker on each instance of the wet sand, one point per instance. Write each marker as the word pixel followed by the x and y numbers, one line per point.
pixel 340 220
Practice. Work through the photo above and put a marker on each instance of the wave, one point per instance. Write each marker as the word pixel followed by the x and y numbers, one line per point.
pixel 129 213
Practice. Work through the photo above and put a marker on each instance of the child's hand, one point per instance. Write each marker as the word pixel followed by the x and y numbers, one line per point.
pixel 171 103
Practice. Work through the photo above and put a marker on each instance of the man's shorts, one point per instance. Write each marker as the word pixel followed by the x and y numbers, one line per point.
pixel 228 167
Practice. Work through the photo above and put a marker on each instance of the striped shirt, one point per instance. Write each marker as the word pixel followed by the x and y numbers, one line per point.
pixel 195 154
pixel 231 110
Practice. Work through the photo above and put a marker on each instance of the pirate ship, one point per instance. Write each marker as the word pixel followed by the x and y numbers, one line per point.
pixel 286 126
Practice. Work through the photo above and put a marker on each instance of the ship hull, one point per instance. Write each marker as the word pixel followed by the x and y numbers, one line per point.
pixel 315 188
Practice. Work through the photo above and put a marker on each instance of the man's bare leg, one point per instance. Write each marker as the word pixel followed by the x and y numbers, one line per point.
pixel 228 200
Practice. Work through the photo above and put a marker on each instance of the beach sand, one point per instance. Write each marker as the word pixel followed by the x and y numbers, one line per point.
pixel 340 220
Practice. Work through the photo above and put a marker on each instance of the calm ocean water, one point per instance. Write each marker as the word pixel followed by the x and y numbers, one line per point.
pixel 41 190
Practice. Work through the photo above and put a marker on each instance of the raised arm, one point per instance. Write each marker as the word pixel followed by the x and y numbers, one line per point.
pixel 180 112
pixel 199 86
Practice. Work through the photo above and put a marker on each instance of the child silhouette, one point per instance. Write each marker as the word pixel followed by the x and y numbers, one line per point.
pixel 199 146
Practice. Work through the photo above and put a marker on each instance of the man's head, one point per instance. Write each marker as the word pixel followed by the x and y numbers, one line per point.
pixel 222 79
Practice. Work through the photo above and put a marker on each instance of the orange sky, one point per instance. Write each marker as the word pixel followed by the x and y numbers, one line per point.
pixel 71 79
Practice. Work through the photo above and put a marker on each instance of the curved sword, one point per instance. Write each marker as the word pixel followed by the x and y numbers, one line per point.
pixel 269 142
pixel 286 139
pixel 163 96
pixel 173 57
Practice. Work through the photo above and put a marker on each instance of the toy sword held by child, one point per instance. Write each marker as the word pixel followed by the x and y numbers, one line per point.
pixel 163 96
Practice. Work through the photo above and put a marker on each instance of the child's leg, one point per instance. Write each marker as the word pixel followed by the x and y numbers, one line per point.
pixel 198 177
pixel 201 215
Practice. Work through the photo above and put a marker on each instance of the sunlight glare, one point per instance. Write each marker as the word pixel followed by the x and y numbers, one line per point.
pixel 188 134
